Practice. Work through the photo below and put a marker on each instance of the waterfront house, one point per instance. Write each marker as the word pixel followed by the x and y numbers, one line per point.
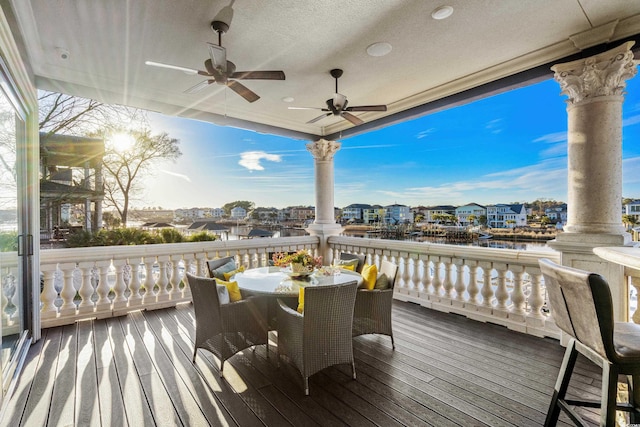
pixel 557 213
pixel 633 208
pixel 506 216
pixel 439 210
pixel 464 212
pixel 398 214
pixel 413 57
pixel 238 212
pixel 354 212
pixel 373 214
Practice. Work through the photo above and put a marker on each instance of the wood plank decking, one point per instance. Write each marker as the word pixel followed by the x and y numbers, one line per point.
pixel 136 370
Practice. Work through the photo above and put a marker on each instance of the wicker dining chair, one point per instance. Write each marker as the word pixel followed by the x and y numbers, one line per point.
pixel 321 336
pixel 225 329
pixel 581 306
pixel 372 312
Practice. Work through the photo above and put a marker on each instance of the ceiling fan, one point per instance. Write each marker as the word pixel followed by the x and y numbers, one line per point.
pixel 223 72
pixel 337 105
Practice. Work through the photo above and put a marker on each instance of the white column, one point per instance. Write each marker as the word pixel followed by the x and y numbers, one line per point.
pixel 325 224
pixel 595 89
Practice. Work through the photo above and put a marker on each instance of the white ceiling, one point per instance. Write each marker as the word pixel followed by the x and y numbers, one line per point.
pixel 108 42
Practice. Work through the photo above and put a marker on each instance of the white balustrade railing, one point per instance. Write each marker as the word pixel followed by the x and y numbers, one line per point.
pixel 9 295
pixel 500 286
pixel 109 281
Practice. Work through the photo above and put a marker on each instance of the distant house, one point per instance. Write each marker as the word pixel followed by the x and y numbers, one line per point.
pixel 238 213
pixel 557 213
pixel 354 212
pixel 506 216
pixel 210 226
pixel 398 214
pixel 373 214
pixel 464 212
pixel 633 209
pixel 438 210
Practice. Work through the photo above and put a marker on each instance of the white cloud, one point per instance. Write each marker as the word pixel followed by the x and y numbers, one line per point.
pixel 552 138
pixel 251 159
pixel 631 120
pixel 178 175
pixel 494 126
pixel 425 133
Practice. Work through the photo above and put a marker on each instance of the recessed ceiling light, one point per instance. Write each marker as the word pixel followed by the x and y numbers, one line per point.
pixel 442 12
pixel 63 53
pixel 379 49
pixel 288 99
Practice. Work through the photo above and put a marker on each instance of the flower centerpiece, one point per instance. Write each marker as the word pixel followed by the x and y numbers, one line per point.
pixel 301 262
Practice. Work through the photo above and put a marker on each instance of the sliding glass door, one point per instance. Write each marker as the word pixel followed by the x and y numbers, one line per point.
pixel 16 241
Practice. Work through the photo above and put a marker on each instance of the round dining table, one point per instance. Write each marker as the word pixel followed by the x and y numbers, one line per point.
pixel 278 281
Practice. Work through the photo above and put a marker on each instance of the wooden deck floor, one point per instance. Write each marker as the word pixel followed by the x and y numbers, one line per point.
pixel 136 370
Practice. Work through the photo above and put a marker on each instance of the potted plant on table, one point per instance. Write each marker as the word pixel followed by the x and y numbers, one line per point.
pixel 301 262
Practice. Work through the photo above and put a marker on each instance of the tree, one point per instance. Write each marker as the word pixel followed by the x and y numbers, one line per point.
pixel 472 219
pixel 629 221
pixel 70 115
pixel 123 168
pixel 482 220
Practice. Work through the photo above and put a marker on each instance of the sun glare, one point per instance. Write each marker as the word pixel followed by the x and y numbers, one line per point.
pixel 122 141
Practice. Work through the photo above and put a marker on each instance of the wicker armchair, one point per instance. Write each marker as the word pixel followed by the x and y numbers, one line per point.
pixel 321 337
pixel 372 312
pixel 212 264
pixel 225 329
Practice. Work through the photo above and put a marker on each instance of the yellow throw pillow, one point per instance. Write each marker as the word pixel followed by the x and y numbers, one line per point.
pixel 230 274
pixel 349 264
pixel 301 300
pixel 232 287
pixel 348 267
pixel 369 276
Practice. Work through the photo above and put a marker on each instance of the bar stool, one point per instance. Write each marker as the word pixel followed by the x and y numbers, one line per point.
pixel 581 307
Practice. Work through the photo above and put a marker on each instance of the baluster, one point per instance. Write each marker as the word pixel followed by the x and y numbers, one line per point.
pixel 436 283
pixel 135 299
pixel 149 296
pixel 472 288
pixel 68 292
pixel 175 292
pixel 449 268
pixel 459 286
pixel 201 265
pixel 427 278
pixel 536 301
pixel 502 295
pixel 48 295
pixel 405 271
pixel 163 279
pixel 119 300
pixel 103 303
pixel 4 301
pixel 517 295
pixel 487 289
pixel 415 277
pixel 188 260
pixel 635 282
pixel 86 290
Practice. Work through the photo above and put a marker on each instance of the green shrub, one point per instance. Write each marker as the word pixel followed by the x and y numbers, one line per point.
pixel 171 235
pixel 202 236
pixel 117 237
pixel 9 241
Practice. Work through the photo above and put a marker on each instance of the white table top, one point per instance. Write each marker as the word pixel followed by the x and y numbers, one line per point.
pixel 276 282
pixel 628 256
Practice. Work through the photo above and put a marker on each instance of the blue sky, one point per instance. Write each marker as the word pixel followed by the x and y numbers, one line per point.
pixel 508 148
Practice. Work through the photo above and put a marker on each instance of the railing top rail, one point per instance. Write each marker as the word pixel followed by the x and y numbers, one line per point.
pixel 103 252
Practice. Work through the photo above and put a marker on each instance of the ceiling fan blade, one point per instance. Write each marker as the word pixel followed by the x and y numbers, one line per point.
pixel 243 91
pixel 367 108
pixel 258 75
pixel 319 118
pixel 199 86
pixel 308 108
pixel 173 67
pixel 218 56
pixel 353 119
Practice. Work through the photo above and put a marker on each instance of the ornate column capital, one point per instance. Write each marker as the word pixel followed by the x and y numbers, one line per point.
pixel 604 74
pixel 323 149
